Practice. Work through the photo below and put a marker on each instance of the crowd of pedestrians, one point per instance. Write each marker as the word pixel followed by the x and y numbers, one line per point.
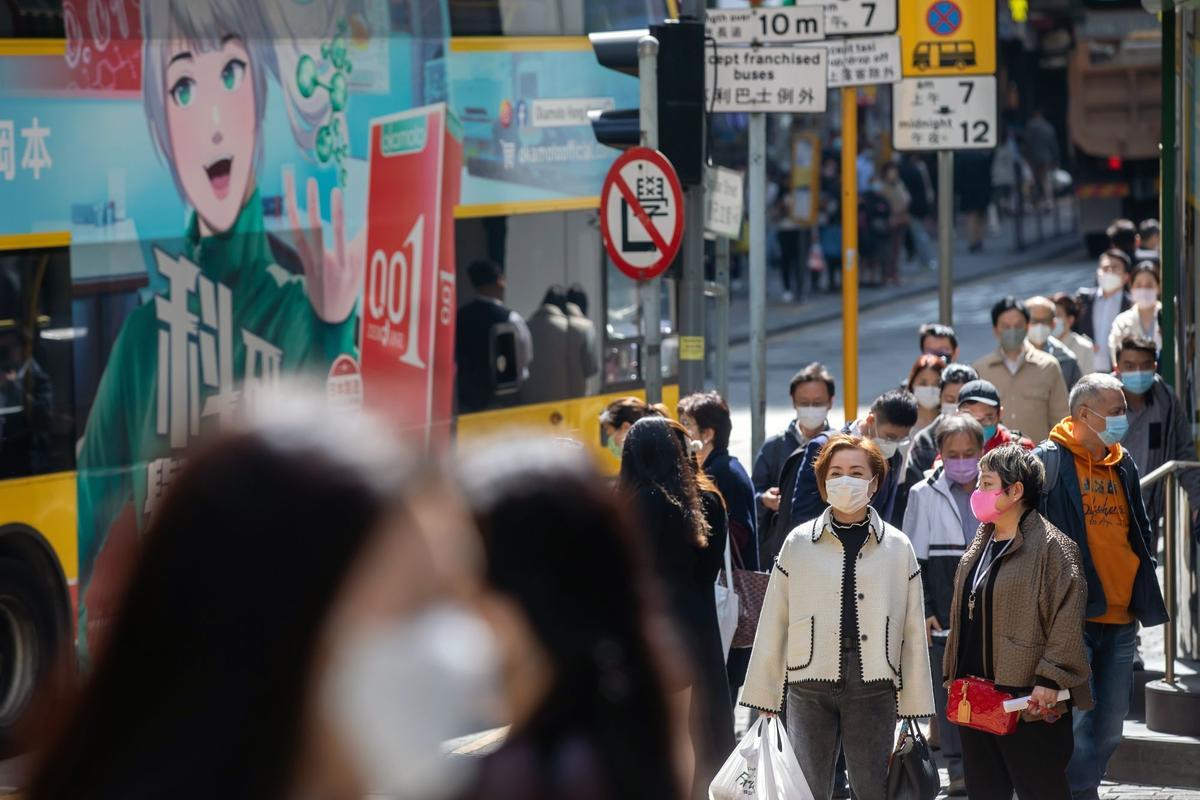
pixel 314 614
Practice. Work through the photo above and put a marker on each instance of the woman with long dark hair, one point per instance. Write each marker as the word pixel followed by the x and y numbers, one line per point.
pixel 567 583
pixel 661 477
pixel 282 585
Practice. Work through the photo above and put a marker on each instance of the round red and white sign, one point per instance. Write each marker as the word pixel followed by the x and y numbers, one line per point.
pixel 641 213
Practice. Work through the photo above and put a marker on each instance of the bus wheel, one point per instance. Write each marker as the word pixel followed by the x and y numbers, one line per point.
pixel 27 634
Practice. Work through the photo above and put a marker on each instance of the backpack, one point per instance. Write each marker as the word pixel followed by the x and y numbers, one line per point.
pixel 1051 457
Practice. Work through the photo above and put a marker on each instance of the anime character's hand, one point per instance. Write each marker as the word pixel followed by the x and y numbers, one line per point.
pixel 333 277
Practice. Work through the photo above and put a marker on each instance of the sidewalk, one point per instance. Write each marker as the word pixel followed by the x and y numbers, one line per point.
pixel 999 255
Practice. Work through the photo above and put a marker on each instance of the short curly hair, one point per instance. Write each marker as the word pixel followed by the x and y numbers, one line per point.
pixel 1014 464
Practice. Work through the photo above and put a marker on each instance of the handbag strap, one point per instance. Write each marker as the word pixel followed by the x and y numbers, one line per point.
pixel 737 551
pixel 728 565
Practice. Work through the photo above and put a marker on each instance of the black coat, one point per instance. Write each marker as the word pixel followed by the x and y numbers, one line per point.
pixel 731 478
pixel 1086 298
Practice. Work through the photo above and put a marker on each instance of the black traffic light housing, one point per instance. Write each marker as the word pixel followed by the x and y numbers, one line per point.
pixel 680 94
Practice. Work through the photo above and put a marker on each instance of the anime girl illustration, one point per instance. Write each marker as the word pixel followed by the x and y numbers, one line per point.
pixel 232 320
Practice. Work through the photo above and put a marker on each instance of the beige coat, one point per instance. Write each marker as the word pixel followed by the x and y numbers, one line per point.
pixel 1037 609
pixel 799 634
pixel 1129 323
pixel 1035 399
pixel 1084 350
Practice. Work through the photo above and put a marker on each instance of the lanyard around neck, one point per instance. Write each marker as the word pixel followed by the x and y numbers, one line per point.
pixel 982 570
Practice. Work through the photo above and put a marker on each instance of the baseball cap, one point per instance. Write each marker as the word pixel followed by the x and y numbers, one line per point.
pixel 979 391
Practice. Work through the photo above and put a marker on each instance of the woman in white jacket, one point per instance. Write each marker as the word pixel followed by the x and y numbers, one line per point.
pixel 842 630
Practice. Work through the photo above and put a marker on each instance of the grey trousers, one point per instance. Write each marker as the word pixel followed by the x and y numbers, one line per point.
pixel 859 718
pixel 948 737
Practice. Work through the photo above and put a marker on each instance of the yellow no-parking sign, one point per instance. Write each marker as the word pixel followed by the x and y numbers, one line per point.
pixel 948 37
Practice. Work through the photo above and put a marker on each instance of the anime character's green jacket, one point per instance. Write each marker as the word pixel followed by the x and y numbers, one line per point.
pixel 128 454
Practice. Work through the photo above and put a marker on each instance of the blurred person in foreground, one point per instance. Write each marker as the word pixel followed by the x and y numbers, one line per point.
pixel 706 417
pixel 287 632
pixel 922 453
pixel 620 415
pixel 793 451
pixel 941 524
pixel 1158 427
pixel 843 618
pixel 924 384
pixel 568 589
pixel 658 476
pixel 1142 318
pixel 888 425
pixel 1016 617
pixel 1093 494
pixel 1066 312
pixel 1030 381
pixel 1042 313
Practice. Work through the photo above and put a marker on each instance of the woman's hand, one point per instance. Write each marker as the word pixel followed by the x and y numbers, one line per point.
pixel 931 625
pixel 768 714
pixel 334 277
pixel 1041 700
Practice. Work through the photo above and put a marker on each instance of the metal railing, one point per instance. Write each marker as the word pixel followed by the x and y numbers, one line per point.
pixel 1177 528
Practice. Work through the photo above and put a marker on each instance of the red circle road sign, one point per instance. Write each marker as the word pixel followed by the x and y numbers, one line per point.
pixel 641 213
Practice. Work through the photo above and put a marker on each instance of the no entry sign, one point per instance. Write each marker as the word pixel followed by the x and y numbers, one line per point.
pixel 641 213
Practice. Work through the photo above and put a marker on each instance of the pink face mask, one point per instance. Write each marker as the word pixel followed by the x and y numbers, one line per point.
pixel 983 505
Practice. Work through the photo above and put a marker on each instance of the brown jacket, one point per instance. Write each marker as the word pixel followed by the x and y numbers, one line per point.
pixel 1037 606
pixel 1034 399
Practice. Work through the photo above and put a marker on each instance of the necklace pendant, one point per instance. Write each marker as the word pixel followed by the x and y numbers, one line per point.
pixel 971 606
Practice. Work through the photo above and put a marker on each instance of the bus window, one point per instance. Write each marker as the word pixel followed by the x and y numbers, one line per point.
pixel 36 379
pixel 31 19
pixel 551 17
pixel 623 329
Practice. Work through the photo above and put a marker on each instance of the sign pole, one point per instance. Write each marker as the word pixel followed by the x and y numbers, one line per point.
pixel 691 286
pixel 945 201
pixel 850 251
pixel 651 310
pixel 758 281
pixel 722 320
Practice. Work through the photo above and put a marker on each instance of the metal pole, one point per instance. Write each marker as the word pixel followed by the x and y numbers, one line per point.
pixel 691 285
pixel 650 290
pixel 850 251
pixel 758 281
pixel 722 317
pixel 1171 515
pixel 945 201
pixel 1168 222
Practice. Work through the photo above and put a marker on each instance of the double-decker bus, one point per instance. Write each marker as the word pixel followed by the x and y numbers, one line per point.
pixel 183 204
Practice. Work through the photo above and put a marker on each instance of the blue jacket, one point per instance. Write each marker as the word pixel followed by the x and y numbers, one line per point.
pixel 1062 504
pixel 768 470
pixel 731 478
pixel 806 503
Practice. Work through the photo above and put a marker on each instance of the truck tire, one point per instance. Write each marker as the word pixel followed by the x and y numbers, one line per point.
pixel 28 643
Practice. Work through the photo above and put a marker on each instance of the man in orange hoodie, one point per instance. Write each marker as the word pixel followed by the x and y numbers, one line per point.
pixel 1093 494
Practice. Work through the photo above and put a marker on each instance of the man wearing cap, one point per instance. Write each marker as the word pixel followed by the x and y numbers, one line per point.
pixel 1030 381
pixel 981 400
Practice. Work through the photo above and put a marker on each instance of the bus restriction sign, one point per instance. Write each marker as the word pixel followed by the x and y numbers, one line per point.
pixel 641 213
pixel 948 37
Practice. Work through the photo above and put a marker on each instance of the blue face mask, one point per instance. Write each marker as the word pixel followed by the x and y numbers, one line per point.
pixel 1114 431
pixel 1137 382
pixel 989 432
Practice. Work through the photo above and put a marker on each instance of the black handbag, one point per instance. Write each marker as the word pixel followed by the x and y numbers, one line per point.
pixel 912 775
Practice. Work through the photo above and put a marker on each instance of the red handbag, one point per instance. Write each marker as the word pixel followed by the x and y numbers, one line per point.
pixel 976 703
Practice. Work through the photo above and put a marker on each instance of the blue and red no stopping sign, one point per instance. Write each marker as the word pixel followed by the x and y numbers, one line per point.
pixel 944 17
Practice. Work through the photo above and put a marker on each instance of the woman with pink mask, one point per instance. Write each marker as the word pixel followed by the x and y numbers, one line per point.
pixel 228 320
pixel 1017 630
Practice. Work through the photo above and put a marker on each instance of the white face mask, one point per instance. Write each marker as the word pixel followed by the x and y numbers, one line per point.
pixel 1039 334
pixel 928 396
pixel 848 494
pixel 887 447
pixel 1110 282
pixel 1060 327
pixel 949 409
pixel 1145 298
pixel 401 690
pixel 811 417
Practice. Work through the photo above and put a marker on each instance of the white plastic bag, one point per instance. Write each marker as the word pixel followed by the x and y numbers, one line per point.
pixel 727 603
pixel 762 767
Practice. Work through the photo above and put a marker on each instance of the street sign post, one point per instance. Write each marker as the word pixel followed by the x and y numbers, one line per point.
pixel 766 79
pixel 948 37
pixel 945 113
pixel 641 213
pixel 784 25
pixel 848 17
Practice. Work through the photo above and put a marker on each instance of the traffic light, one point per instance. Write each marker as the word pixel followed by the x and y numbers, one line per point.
pixel 680 94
